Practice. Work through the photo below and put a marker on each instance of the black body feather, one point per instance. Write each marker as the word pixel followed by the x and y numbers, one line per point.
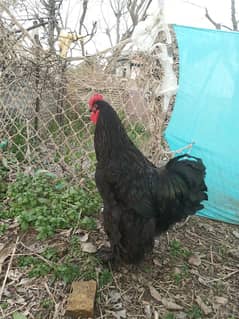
pixel 141 200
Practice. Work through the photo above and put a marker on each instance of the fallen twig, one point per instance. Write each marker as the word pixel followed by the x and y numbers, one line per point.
pixel 37 255
pixel 225 277
pixel 189 146
pixel 181 225
pixel 2 312
pixel 8 267
pixel 56 312
pixel 212 259
pixel 50 293
pixel 14 310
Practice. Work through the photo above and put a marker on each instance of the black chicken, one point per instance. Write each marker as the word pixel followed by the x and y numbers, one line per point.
pixel 140 200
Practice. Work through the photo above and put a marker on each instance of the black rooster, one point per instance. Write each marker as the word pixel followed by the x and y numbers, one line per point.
pixel 140 200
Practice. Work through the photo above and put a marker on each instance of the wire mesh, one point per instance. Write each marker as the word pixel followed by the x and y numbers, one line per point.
pixel 44 117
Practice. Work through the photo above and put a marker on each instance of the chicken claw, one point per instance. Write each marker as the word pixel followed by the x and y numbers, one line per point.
pixel 105 254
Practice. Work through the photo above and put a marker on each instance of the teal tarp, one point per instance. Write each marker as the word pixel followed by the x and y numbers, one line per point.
pixel 206 112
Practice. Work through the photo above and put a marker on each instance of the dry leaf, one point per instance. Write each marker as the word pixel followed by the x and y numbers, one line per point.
pixel 114 296
pixel 20 301
pixel 117 306
pixel 147 311
pixel 121 314
pixel 14 274
pixel 177 271
pixel 84 237
pixel 157 262
pixel 206 309
pixel 4 253
pixel 236 233
pixel 155 294
pixel 88 248
pixel 195 260
pixel 65 233
pixel 202 281
pixel 221 300
pixel 234 253
pixel 156 314
pixel 118 314
pixel 13 224
pixel 170 305
pixel 181 315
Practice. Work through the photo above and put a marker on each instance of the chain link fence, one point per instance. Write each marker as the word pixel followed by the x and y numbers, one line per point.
pixel 44 118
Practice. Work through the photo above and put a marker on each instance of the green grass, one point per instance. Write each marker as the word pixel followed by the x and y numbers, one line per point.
pixel 105 278
pixel 47 204
pixel 169 315
pixel 47 303
pixel 4 305
pixel 3 228
pixel 176 249
pixel 3 179
pixel 195 312
pixel 65 269
pixel 182 274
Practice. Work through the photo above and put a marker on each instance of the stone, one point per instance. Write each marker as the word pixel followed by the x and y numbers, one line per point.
pixel 81 301
pixel 195 260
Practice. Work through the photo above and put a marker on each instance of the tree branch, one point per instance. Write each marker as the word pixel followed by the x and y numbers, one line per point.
pixel 216 25
pixel 226 27
pixel 82 19
pixel 34 26
pixel 92 32
pixel 24 31
pixel 233 16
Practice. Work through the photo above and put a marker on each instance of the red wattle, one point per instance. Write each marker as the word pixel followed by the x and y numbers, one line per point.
pixel 94 116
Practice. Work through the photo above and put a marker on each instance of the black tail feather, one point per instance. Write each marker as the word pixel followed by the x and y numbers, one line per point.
pixel 182 190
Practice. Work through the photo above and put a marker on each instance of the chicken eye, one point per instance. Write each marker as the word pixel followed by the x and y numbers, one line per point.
pixel 94 108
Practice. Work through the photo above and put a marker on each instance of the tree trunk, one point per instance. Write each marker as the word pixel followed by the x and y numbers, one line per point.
pixel 52 24
pixel 233 16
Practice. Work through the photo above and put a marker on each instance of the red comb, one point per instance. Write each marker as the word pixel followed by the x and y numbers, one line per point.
pixel 94 98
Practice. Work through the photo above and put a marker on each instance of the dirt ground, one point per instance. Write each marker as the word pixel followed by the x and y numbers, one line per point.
pixel 193 273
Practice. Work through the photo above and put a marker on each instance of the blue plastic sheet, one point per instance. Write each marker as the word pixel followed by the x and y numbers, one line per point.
pixel 206 112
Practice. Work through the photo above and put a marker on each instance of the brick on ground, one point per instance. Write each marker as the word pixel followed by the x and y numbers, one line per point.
pixel 81 301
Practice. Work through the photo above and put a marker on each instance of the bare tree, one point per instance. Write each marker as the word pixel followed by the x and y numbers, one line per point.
pixel 119 10
pixel 51 11
pixel 52 19
pixel 219 26
pixel 127 14
pixel 83 30
pixel 82 18
pixel 138 12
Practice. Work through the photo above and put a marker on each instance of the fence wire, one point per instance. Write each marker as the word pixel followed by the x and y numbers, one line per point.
pixel 44 119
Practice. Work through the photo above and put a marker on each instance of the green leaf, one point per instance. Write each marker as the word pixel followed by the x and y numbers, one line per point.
pixel 59 186
pixel 47 173
pixel 5 163
pixel 18 315
pixel 4 144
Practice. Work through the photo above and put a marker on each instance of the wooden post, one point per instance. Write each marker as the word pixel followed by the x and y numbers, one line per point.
pixel 37 80
pixel 61 93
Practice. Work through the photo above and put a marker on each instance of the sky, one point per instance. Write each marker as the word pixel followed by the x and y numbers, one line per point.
pixel 192 12
pixel 182 12
pixel 185 12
